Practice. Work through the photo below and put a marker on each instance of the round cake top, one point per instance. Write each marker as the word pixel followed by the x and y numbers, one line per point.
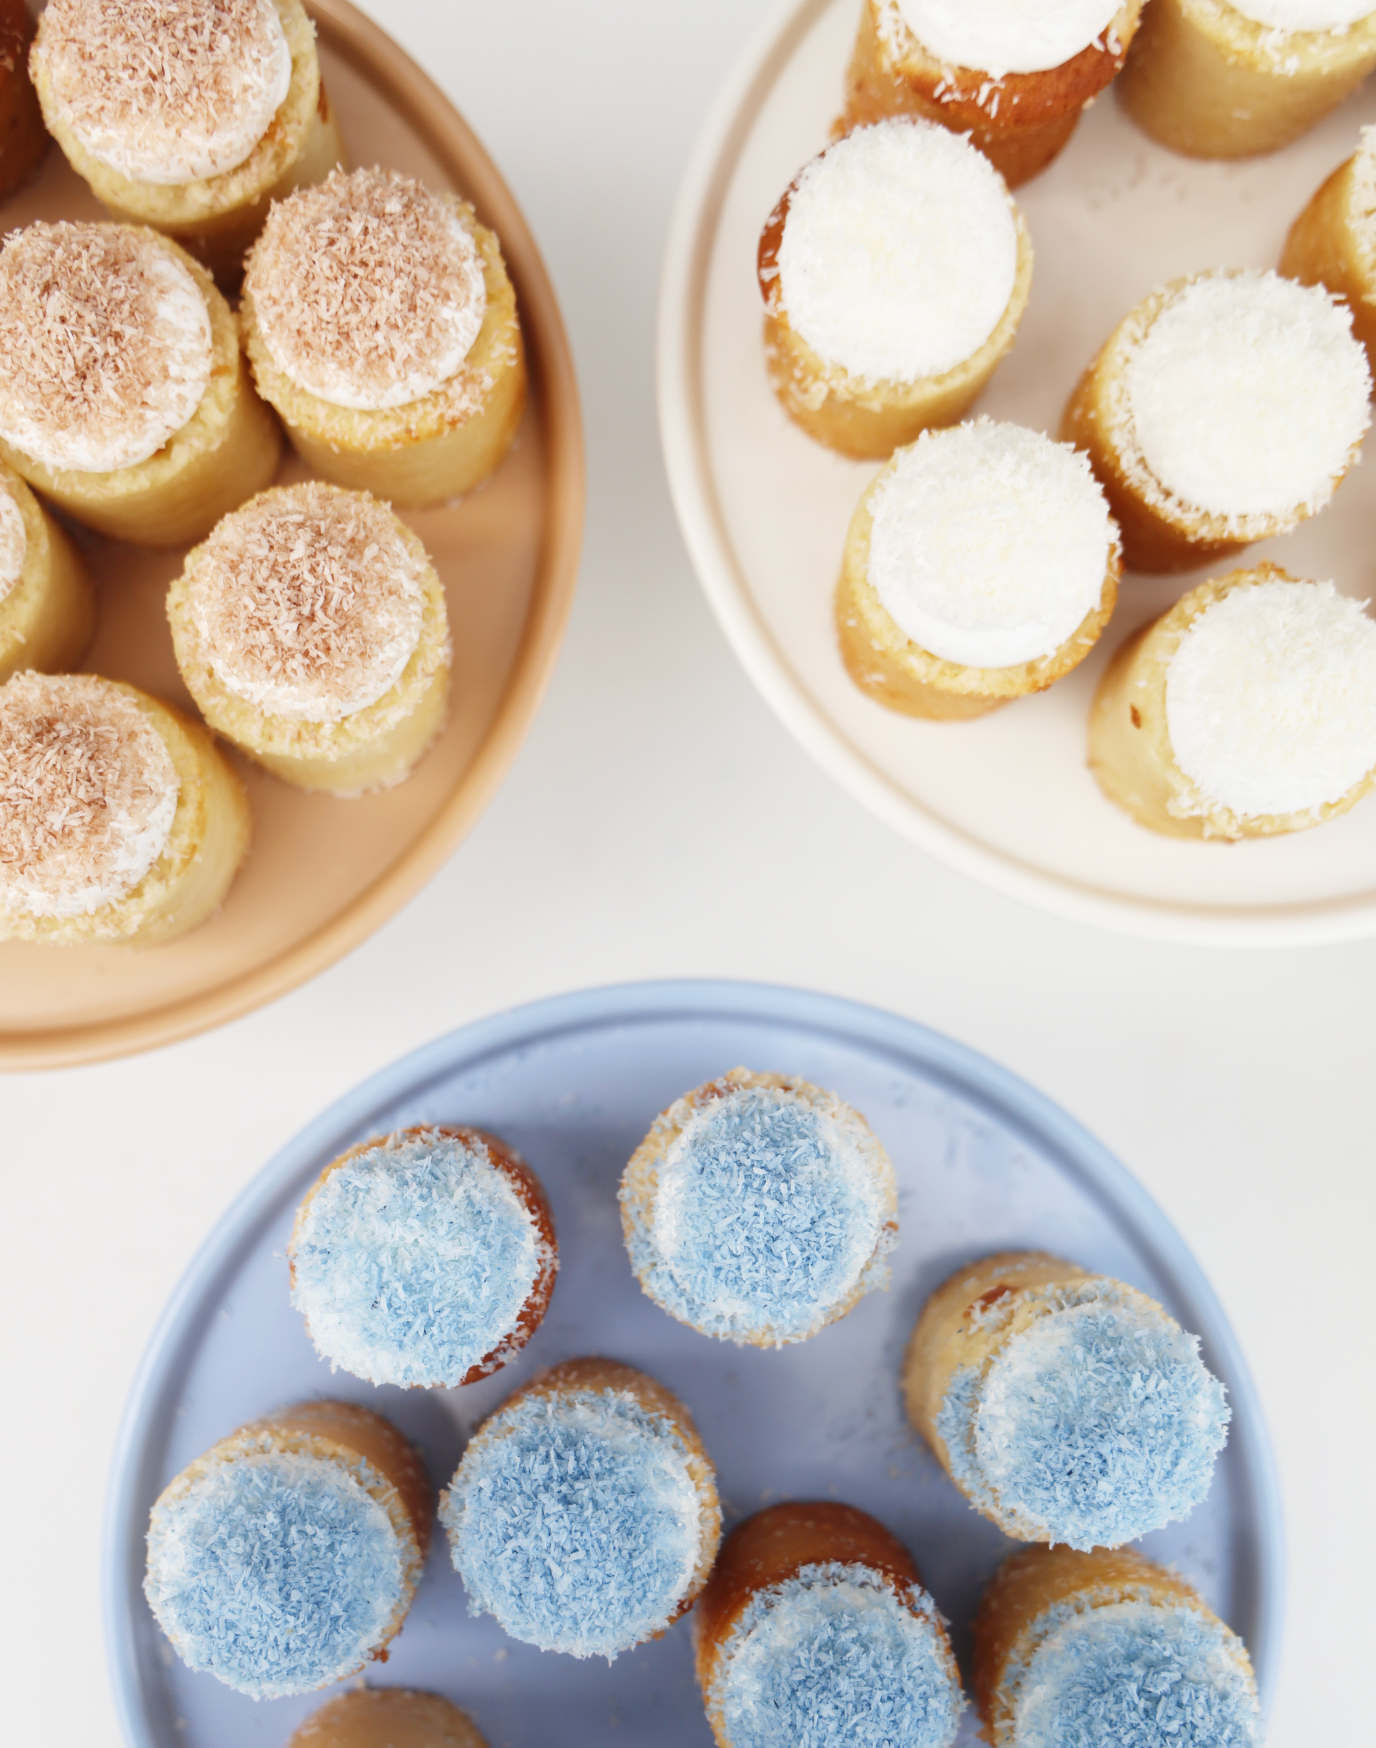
pixel 413 1260
pixel 1303 14
pixel 1092 1426
pixel 14 542
pixel 105 345
pixel 1248 394
pixel 1139 1675
pixel 1271 698
pixel 88 793
pixel 837 1657
pixel 275 1572
pixel 308 601
pixel 769 1216
pixel 368 290
pixel 165 91
pixel 397 1717
pixel 899 252
pixel 1007 36
pixel 990 543
pixel 575 1520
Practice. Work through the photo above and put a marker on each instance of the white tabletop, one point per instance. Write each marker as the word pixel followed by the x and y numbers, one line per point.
pixel 661 823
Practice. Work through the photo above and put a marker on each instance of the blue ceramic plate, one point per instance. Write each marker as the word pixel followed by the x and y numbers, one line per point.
pixel 984 1163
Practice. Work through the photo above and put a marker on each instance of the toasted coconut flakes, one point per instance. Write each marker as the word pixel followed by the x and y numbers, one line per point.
pixel 308 602
pixel 14 543
pixel 88 792
pixel 165 91
pixel 105 345
pixel 368 289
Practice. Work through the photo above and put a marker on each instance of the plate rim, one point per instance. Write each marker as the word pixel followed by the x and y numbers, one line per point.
pixel 683 440
pixel 978 1076
pixel 367 48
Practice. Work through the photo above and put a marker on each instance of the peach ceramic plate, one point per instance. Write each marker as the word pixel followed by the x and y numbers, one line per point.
pixel 324 873
pixel 1007 799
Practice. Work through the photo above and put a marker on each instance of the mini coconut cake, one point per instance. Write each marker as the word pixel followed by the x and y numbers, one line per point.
pixel 119 818
pixel 387 1717
pixel 759 1208
pixel 424 1258
pixel 1224 409
pixel 23 138
pixel 584 1514
pixel 1065 1406
pixel 311 630
pixel 1107 1648
pixel 47 604
pixel 982 565
pixel 1333 241
pixel 187 115
pixel 1014 75
pixel 124 396
pixel 286 1557
pixel 894 272
pixel 381 324
pixel 1247 710
pixel 814 1629
pixel 1215 79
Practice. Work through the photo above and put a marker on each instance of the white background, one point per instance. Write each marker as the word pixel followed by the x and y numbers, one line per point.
pixel 661 823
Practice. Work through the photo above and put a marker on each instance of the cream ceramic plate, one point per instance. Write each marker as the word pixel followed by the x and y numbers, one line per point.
pixel 1007 799
pixel 324 873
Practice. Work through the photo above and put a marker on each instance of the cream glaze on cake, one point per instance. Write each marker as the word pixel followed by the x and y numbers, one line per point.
pixel 105 346
pixel 1007 36
pixel 88 793
pixel 165 91
pixel 368 290
pixel 899 252
pixel 307 602
pixel 1306 15
pixel 990 544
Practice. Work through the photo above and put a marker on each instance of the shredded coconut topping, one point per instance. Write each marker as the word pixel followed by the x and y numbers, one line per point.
pixel 899 252
pixel 768 1216
pixel 1138 1675
pixel 88 793
pixel 276 1573
pixel 165 91
pixel 105 345
pixel 1094 1425
pixel 1007 36
pixel 308 601
pixel 990 543
pixel 414 1260
pixel 837 1657
pixel 367 288
pixel 14 543
pixel 1303 14
pixel 1248 394
pixel 574 1519
pixel 1271 698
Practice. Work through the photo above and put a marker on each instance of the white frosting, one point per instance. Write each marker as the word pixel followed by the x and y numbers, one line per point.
pixel 1271 698
pixel 167 91
pixel 134 847
pixel 1303 14
pixel 1248 393
pixel 14 543
pixel 990 543
pixel 899 253
pixel 1008 36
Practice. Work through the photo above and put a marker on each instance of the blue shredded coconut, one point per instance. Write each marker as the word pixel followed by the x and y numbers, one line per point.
pixel 833 1658
pixel 574 1520
pixel 1092 1427
pixel 277 1573
pixel 767 1217
pixel 413 1261
pixel 1137 1675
